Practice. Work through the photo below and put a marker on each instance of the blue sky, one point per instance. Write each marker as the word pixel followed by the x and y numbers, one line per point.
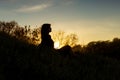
pixel 91 20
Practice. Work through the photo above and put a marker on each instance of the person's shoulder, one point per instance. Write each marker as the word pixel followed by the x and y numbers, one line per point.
pixel 49 36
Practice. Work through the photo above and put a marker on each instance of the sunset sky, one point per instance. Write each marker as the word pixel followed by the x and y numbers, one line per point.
pixel 91 20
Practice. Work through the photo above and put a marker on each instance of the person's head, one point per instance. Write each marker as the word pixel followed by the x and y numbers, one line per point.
pixel 46 28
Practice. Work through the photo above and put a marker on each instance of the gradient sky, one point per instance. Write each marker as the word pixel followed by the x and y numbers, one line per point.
pixel 91 20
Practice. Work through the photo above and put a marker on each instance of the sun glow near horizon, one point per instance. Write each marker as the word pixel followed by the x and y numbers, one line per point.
pixel 57 45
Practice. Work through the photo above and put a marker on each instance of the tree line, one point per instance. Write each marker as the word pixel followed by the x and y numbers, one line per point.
pixel 33 35
pixel 105 48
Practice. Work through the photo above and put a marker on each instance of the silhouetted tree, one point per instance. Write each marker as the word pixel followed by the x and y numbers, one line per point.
pixel 36 36
pixel 71 40
pixel 65 39
pixel 8 27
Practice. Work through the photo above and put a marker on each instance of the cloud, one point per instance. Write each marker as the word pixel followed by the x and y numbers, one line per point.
pixel 8 0
pixel 34 8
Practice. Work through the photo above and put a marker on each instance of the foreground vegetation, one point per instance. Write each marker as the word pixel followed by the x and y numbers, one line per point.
pixel 21 60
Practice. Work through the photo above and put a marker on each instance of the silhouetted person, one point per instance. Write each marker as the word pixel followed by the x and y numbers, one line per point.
pixel 47 42
pixel 46 38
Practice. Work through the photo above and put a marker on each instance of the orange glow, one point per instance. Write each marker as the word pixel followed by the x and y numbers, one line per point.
pixel 56 45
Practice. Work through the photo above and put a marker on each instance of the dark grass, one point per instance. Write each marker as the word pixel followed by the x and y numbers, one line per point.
pixel 22 61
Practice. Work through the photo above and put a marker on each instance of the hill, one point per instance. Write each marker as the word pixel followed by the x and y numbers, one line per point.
pixel 22 61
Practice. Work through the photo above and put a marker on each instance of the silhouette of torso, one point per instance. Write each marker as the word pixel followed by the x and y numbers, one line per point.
pixel 47 41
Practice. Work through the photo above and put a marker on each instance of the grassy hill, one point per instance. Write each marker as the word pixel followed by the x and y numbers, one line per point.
pixel 22 61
